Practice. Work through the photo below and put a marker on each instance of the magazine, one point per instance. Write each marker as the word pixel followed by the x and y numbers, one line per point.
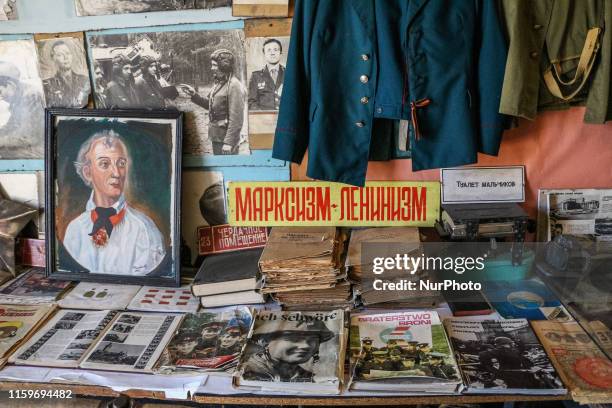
pixel 502 357
pixel 17 323
pixel 155 299
pixel 65 339
pixel 132 342
pixel 207 341
pixel 99 296
pixel 584 368
pixel 294 352
pixel 402 351
pixel 584 213
pixel 33 287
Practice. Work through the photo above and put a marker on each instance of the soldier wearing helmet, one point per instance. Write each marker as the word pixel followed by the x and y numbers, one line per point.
pixel 225 103
pixel 284 354
pixel 506 361
pixel 121 91
pixel 150 92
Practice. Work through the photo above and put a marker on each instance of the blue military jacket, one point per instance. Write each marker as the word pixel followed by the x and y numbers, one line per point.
pixel 349 77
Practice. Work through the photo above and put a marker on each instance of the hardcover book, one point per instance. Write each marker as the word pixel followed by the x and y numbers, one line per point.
pixel 229 272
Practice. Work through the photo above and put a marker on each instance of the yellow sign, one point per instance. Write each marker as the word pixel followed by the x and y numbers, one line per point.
pixel 314 203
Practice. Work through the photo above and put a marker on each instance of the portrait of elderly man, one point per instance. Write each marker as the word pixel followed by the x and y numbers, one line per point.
pixel 110 236
pixel 67 88
pixel 225 103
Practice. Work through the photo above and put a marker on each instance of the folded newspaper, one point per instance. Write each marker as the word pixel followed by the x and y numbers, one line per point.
pixel 402 352
pixel 294 352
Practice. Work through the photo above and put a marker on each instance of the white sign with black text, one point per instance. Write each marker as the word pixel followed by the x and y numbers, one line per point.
pixel 483 184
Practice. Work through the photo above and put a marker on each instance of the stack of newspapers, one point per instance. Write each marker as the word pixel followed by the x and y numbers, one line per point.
pixel 296 262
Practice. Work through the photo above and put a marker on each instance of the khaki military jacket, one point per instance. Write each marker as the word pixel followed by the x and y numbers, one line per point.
pixel 549 66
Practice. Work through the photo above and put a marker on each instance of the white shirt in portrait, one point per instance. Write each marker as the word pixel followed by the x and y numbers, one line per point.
pixel 135 247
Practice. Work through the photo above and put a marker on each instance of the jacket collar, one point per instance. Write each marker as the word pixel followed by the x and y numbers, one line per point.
pixel 365 10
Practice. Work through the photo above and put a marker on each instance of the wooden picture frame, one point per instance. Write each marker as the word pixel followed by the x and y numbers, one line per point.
pixel 129 164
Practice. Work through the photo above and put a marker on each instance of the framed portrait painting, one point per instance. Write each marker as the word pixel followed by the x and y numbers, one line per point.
pixel 113 181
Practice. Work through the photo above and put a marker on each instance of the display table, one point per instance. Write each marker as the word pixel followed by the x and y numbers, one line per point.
pixel 247 399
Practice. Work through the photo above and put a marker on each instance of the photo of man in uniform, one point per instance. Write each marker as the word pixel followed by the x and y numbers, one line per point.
pixel 66 88
pixel 121 91
pixel 225 103
pixel 266 84
pixel 286 355
pixel 111 236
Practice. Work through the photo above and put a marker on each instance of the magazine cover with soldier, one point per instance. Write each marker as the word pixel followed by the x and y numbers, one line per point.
pixel 207 341
pixel 502 356
pixel 297 351
pixel 401 348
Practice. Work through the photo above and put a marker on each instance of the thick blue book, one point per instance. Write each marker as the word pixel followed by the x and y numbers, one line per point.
pixel 527 299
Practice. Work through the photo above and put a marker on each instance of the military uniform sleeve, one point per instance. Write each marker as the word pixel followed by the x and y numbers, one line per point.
pixel 198 100
pixel 236 101
pixel 292 130
pixel 491 56
pixel 253 92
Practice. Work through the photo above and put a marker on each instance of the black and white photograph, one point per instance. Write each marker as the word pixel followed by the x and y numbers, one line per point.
pixel 22 108
pixel 575 206
pixel 129 319
pixel 8 10
pixel 87 334
pixel 115 337
pixel 65 325
pixel 71 355
pixel 292 347
pixel 122 328
pixel 203 204
pixel 116 353
pixel 202 73
pixel 266 63
pixel 79 346
pixel 105 7
pixel 501 355
pixel 64 72
pixel 73 316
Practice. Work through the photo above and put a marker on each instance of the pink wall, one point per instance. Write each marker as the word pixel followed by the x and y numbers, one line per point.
pixel 557 149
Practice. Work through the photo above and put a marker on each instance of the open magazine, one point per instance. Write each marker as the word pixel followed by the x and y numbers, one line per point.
pixel 133 341
pixel 64 340
pixel 402 351
pixel 502 357
pixel 17 323
pixel 207 341
pixel 294 352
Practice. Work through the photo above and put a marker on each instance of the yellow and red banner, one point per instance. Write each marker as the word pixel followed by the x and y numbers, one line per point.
pixel 315 203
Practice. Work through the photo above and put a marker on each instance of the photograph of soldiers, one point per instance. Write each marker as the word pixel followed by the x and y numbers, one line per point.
pixel 8 10
pixel 505 359
pixel 105 7
pixel 287 355
pixel 202 73
pixel 21 101
pixel 116 353
pixel 411 357
pixel 266 81
pixel 63 68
